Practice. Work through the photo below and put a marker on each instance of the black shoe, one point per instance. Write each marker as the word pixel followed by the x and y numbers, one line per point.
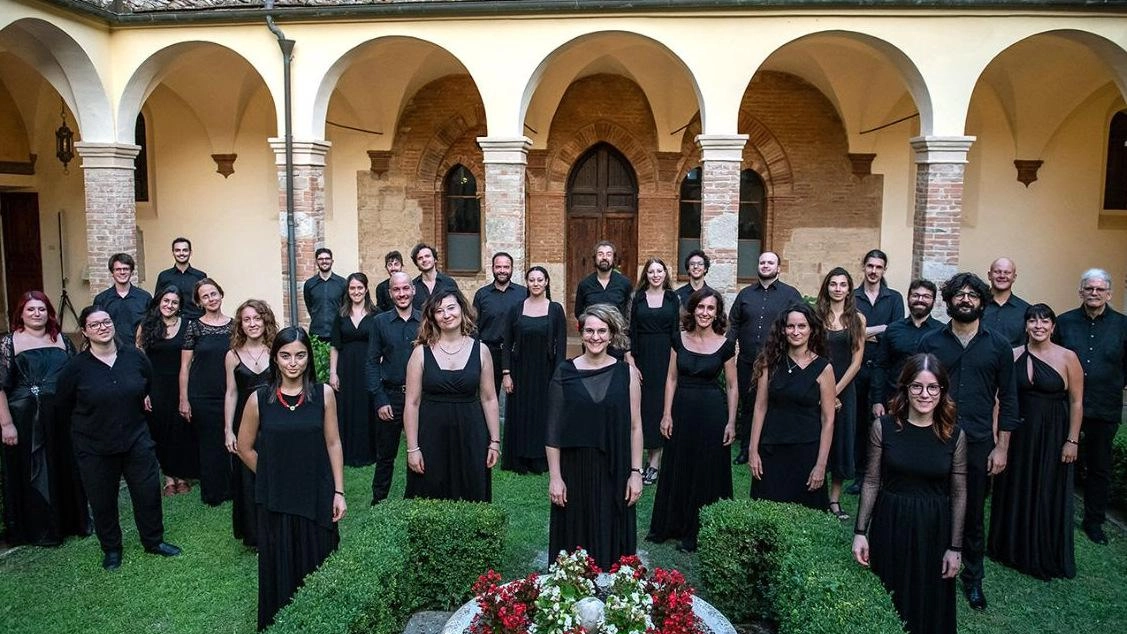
pixel 975 598
pixel 855 488
pixel 650 476
pixel 112 560
pixel 741 458
pixel 1095 532
pixel 164 550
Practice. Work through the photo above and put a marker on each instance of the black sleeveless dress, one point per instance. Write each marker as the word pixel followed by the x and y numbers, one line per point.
pixel 207 388
pixel 356 417
pixel 694 466
pixel 452 434
pixel 1031 515
pixel 652 331
pixel 244 516
pixel 842 460
pixel 176 443
pixel 534 346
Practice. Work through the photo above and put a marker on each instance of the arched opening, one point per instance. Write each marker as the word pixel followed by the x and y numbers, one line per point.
pixel 688 217
pixel 753 198
pixel 462 221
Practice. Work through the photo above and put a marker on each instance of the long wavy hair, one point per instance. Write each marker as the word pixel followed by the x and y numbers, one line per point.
pixel 269 324
pixel 429 330
pixel 346 305
pixel 52 325
pixel 689 320
pixel 285 336
pixel 644 276
pixel 944 415
pixel 850 318
pixel 152 324
pixel 776 347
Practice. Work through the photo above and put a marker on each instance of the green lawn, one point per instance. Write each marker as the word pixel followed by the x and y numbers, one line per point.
pixel 211 588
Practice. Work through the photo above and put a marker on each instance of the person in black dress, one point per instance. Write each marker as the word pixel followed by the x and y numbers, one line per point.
pixel 913 501
pixel 699 422
pixel 289 440
pixel 535 343
pixel 1031 514
pixel 248 368
pixel 203 389
pixel 450 414
pixel 104 393
pixel 43 497
pixel 348 360
pixel 161 337
pixel 655 314
pixel 845 342
pixel 792 426
pixel 594 445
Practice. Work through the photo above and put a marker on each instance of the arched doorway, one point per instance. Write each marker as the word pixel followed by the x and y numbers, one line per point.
pixel 602 204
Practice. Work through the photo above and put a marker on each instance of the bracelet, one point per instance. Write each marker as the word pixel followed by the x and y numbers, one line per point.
pixel 414 450
pixel 506 372
pixel 340 493
pixel 1072 442
pixel 494 442
pixel 494 449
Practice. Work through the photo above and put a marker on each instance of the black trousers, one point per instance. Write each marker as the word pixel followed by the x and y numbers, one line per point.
pixel 974 530
pixel 744 372
pixel 101 477
pixel 863 381
pixel 1095 450
pixel 387 445
pixel 495 353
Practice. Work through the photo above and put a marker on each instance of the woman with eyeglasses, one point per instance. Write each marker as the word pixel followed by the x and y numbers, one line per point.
pixel 913 501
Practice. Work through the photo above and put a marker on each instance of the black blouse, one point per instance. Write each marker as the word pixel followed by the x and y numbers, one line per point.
pixel 106 403
pixel 294 475
pixel 794 403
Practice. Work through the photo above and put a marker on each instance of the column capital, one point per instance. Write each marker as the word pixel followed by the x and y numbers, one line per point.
pixel 505 150
pixel 107 155
pixel 304 152
pixel 941 149
pixel 721 147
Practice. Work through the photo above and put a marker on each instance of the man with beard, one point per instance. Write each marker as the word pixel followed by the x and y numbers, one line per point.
pixel 1005 314
pixel 184 276
pixel 981 369
pixel 429 280
pixel 493 302
pixel 749 323
pixel 697 264
pixel 900 340
pixel 605 285
pixel 323 294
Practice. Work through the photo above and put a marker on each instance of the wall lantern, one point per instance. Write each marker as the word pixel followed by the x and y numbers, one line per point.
pixel 64 140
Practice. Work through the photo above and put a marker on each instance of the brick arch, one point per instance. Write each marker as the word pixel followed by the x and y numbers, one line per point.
pixel 472 163
pixel 469 120
pixel 776 170
pixel 563 159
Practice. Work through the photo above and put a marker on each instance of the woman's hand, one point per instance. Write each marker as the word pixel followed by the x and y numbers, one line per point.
pixel 557 492
pixel 861 550
pixel 952 560
pixel 633 488
pixel 334 382
pixel 756 465
pixel 9 434
pixel 339 507
pixel 491 456
pixel 666 426
pixel 231 441
pixel 817 478
pixel 1068 452
pixel 729 434
pixel 148 404
pixel 186 410
pixel 415 461
pixel 507 383
pixel 837 404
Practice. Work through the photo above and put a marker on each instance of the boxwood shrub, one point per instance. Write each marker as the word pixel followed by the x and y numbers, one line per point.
pixel 1119 470
pixel 791 565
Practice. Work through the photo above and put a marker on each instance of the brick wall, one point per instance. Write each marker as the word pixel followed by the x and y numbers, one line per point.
pixel 111 213
pixel 935 235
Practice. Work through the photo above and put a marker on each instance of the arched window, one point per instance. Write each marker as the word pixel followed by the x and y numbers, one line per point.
pixel 753 196
pixel 1115 182
pixel 688 235
pixel 463 221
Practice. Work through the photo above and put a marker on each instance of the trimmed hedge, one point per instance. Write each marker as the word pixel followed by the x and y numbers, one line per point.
pixel 1119 470
pixel 407 555
pixel 788 564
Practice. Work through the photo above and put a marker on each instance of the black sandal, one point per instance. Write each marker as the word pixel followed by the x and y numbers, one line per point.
pixel 839 513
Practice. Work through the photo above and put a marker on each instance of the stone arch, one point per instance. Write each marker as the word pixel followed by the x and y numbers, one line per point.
pixel 562 159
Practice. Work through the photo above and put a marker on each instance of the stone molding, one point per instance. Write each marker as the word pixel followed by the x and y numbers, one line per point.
pixel 941 149
pixel 505 150
pixel 304 152
pixel 721 147
pixel 107 155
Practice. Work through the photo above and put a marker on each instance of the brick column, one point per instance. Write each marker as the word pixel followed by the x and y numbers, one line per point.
pixel 505 160
pixel 309 214
pixel 111 207
pixel 940 165
pixel 721 156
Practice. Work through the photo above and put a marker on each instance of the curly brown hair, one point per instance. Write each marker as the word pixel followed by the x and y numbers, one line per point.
pixel 269 324
pixel 776 347
pixel 689 321
pixel 429 330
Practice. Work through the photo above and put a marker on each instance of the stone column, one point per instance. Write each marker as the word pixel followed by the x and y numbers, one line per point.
pixel 721 156
pixel 940 166
pixel 111 207
pixel 505 160
pixel 309 214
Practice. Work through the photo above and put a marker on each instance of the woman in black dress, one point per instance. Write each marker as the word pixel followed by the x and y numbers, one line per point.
pixel 450 414
pixel 699 421
pixel 654 318
pixel 845 342
pixel 248 368
pixel 161 337
pixel 793 420
pixel 203 389
pixel 1031 515
pixel 913 501
pixel 289 439
pixel 535 343
pixel 43 497
pixel 348 362
pixel 594 445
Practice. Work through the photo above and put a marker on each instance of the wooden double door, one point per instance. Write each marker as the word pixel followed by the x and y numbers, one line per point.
pixel 602 204
pixel 23 260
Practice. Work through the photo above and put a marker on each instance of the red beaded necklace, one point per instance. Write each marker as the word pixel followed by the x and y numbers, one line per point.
pixel 282 399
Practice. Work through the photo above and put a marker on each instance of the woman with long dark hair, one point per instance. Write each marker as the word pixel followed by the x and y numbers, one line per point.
pixel 289 439
pixel 792 425
pixel 348 362
pixel 535 343
pixel 43 497
pixel 913 501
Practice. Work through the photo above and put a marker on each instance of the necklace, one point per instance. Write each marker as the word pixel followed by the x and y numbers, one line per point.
pixel 792 366
pixel 255 358
pixel 282 399
pixel 460 348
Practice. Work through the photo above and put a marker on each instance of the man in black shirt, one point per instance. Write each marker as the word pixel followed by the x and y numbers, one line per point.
pixel 492 303
pixel 323 294
pixel 901 340
pixel 1005 314
pixel 389 347
pixel 429 280
pixel 184 276
pixel 125 302
pixel 605 285
pixel 697 264
pixel 1098 336
pixel 393 262
pixel 980 365
pixel 749 322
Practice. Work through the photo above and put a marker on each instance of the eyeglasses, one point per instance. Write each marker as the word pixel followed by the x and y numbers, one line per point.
pixel 927 296
pixel 1096 290
pixel 916 389
pixel 966 295
pixel 105 324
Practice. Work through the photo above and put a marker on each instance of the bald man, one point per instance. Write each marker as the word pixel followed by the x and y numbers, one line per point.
pixel 1005 314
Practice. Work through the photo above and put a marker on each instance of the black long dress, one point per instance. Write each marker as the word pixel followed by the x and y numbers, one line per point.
pixel 842 462
pixel 176 443
pixel 294 492
pixel 533 347
pixel 1031 515
pixel 694 466
pixel 788 444
pixel 652 331
pixel 915 494
pixel 452 433
pixel 589 422
pixel 244 515
pixel 355 415
pixel 207 388
pixel 44 501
